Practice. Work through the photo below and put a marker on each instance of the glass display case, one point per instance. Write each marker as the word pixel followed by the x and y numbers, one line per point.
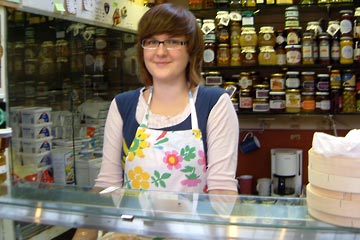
pixel 166 214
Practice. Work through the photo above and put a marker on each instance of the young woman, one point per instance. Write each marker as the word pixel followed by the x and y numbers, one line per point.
pixel 173 134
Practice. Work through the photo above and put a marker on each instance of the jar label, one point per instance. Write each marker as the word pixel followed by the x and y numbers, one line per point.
pixel 277 104
pixel 323 105
pixel 347 52
pixel 2 169
pixel 209 55
pixel 345 26
pixel 245 102
pixel 308 105
pixel 293 57
pixel 292 82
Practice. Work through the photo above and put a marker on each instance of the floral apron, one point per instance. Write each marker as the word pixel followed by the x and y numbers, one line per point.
pixel 166 160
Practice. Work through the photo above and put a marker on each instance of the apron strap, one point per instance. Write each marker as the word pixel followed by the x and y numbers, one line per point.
pixel 194 120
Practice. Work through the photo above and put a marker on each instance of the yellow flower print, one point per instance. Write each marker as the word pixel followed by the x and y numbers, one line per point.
pixel 138 144
pixel 197 133
pixel 139 178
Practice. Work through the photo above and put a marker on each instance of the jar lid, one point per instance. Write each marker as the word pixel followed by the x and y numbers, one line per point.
pixel 209 21
pixel 292 46
pixel 307 93
pixel 307 73
pixel 292 73
pixel 293 90
pixel 346 11
pixel 276 93
pixel 267 49
pixel 322 93
pixel 277 75
pixel 323 75
pixel 266 29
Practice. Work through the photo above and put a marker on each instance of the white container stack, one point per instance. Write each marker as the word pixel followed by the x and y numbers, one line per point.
pixel 32 142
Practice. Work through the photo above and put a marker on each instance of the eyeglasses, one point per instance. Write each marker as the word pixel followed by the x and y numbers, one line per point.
pixel 169 44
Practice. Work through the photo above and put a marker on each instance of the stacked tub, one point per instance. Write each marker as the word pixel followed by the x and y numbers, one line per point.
pixel 32 141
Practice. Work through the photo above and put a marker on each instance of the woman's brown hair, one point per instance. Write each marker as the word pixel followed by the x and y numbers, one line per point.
pixel 174 20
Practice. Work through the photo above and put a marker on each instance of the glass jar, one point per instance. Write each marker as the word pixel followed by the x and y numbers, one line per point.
pixel 357 50
pixel 266 36
pixel 308 81
pixel 62 48
pixel 335 78
pixel 324 48
pixel 222 21
pixel 293 35
pixel 223 55
pixel 277 82
pixel 101 39
pixel 356 30
pixel 249 56
pixel 307 102
pixel 235 27
pixel 293 100
pixel 346 50
pixel 261 91
pixel 293 54
pixel 235 55
pixel 245 81
pixel 292 80
pixel 307 48
pixel 322 82
pixel 335 49
pixel 209 55
pixel 245 100
pixel 213 78
pixel 267 56
pixel 349 100
pixel 261 105
pixel 47 50
pixel 336 99
pixel 277 102
pixel 248 37
pixel 346 22
pixel 322 102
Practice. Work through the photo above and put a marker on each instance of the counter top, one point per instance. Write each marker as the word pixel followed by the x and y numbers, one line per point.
pixel 166 214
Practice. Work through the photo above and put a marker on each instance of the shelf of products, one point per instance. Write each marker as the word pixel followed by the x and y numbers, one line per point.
pixel 304 60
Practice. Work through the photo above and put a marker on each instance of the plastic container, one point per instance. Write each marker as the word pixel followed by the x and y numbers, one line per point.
pixel 36 145
pixel 35 115
pixel 36 131
pixel 37 159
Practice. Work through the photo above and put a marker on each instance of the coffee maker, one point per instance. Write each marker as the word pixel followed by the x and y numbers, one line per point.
pixel 286 172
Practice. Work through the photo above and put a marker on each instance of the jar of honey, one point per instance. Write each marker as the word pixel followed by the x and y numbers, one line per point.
pixel 293 100
pixel 248 37
pixel 223 55
pixel 266 36
pixel 249 56
pixel 267 56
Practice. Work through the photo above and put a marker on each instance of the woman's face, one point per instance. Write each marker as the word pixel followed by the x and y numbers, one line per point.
pixel 168 61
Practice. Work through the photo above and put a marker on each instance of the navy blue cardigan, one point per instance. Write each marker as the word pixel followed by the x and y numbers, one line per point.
pixel 127 102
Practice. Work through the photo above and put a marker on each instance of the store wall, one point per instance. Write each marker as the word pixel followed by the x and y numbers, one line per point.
pixel 258 162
